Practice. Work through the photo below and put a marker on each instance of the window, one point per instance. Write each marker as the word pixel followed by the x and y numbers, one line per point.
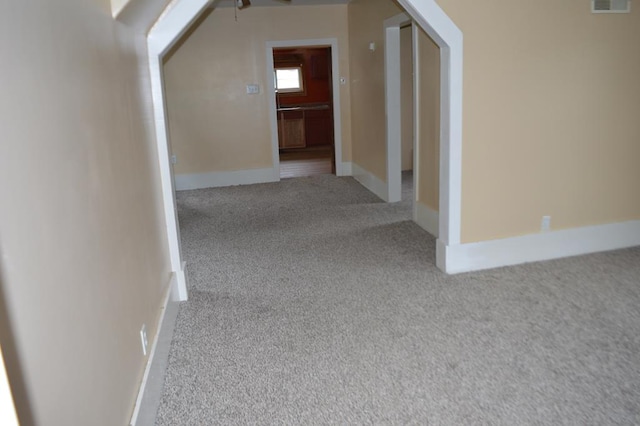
pixel 289 80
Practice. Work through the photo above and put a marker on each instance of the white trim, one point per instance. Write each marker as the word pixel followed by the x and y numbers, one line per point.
pixel 416 122
pixel 427 218
pixel 370 181
pixel 172 23
pixel 231 178
pixel 337 115
pixel 179 291
pixel 432 19
pixel 150 391
pixel 347 169
pixel 8 416
pixel 166 180
pixel 392 91
pixel 537 247
pixel 448 37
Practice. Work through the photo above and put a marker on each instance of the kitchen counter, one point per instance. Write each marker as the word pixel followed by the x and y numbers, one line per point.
pixel 303 108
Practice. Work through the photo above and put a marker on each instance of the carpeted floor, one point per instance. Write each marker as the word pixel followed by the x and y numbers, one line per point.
pixel 312 302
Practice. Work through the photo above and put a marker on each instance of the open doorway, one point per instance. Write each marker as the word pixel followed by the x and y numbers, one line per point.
pixel 418 78
pixel 306 128
pixel 304 105
pixel 407 114
pixel 427 82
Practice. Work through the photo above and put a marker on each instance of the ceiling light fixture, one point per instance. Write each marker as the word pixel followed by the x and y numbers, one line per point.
pixel 241 4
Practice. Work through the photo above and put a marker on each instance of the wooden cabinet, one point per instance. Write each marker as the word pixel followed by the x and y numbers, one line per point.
pixel 291 129
pixel 318 127
pixel 299 127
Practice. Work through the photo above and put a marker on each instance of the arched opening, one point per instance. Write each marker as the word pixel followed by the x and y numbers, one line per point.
pixel 429 16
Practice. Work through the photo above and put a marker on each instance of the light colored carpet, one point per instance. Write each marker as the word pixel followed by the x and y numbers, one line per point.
pixel 312 302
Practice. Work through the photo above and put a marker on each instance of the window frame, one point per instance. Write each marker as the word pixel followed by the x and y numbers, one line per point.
pixel 301 90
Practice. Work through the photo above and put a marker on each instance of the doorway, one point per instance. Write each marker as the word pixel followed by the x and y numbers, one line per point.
pixel 306 128
pixel 429 83
pixel 408 148
pixel 304 104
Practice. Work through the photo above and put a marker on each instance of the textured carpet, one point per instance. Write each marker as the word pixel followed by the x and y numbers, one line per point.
pixel 312 302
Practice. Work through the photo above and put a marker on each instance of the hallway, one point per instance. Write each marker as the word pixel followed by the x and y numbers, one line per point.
pixel 313 302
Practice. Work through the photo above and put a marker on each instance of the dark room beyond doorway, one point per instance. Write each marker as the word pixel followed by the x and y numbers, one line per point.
pixel 304 102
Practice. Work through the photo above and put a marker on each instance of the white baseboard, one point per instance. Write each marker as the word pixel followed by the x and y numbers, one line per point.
pixel 218 179
pixel 179 290
pixel 536 247
pixel 347 168
pixel 370 181
pixel 427 219
pixel 150 392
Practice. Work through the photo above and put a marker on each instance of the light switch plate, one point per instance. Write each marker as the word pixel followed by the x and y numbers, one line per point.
pixel 253 89
pixel 545 224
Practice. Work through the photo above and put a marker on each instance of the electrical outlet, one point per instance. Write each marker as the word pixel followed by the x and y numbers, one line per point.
pixel 143 339
pixel 174 159
pixel 253 89
pixel 545 224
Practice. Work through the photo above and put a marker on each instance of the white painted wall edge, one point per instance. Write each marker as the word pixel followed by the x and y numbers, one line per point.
pixel 435 22
pixel 392 104
pixel 370 181
pixel 179 291
pixel 427 218
pixel 231 178
pixel 415 59
pixel 150 391
pixel 8 416
pixel 537 247
pixel 347 169
pixel 166 179
pixel 174 21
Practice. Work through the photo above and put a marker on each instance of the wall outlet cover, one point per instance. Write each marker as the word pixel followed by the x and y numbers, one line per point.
pixel 545 224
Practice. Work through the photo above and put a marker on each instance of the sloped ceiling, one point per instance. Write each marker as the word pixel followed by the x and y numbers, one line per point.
pixel 139 14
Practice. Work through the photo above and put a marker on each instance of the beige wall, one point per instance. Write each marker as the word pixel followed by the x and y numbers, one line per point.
pixel 428 92
pixel 367 82
pixel 406 97
pixel 214 125
pixel 83 259
pixel 551 126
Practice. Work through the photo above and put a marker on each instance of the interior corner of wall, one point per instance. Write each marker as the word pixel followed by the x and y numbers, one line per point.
pixel 117 6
